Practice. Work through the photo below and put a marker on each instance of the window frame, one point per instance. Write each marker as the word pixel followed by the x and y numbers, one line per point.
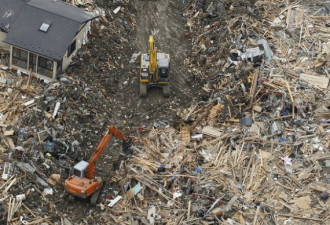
pixel 72 47
pixel 20 54
pixel 42 62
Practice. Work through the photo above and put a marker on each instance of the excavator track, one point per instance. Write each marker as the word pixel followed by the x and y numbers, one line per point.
pixel 143 89
pixel 166 90
pixel 95 196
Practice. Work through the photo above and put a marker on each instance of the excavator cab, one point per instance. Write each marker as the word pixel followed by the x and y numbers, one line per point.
pixel 163 61
pixel 79 170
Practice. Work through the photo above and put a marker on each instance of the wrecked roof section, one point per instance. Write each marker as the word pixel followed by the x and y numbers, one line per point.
pixel 63 22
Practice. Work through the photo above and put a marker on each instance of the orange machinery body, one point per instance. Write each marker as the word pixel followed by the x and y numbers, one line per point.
pixel 83 182
pixel 82 187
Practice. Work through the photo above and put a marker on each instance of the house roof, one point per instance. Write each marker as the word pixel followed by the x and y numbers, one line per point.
pixel 9 9
pixel 61 22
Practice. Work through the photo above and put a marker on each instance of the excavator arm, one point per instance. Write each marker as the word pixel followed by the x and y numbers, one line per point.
pixel 112 131
pixel 152 57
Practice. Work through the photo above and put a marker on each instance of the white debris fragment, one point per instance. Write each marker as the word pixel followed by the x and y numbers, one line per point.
pixel 114 201
pixel 134 57
pixel 117 10
pixel 197 137
pixel 57 107
pixel 48 191
pixel 287 160
pixel 28 103
pixel 20 197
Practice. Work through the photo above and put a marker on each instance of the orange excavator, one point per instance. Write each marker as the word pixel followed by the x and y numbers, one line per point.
pixel 83 182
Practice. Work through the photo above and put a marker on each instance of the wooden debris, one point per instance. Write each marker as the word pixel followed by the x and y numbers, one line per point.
pixel 229 173
pixel 211 131
pixel 318 81
pixel 8 133
pixel 303 202
pixel 185 133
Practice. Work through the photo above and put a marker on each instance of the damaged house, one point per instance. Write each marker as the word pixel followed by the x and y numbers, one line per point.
pixel 42 35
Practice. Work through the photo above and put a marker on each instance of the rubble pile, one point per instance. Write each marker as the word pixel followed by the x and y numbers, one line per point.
pixel 254 151
pixel 257 150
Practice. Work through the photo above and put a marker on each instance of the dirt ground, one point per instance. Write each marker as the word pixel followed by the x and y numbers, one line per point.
pixel 165 22
pixel 162 19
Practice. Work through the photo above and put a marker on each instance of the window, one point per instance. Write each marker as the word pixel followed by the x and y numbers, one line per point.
pixel 72 48
pixel 163 72
pixel 77 173
pixel 16 52
pixel 33 62
pixel 59 67
pixel 45 63
pixel 45 26
pixel 45 66
pixel 19 58
pixel 19 53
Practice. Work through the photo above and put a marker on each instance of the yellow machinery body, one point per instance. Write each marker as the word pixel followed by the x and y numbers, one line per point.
pixel 154 70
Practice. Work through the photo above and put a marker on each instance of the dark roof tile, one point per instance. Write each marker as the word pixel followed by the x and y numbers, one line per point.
pixel 9 9
pixel 65 23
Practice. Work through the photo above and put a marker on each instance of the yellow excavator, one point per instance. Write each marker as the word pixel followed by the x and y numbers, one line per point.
pixel 154 70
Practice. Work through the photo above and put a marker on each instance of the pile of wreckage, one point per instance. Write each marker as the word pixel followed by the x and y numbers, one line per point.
pixel 256 152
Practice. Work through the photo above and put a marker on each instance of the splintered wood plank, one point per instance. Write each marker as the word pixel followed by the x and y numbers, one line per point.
pixel 253 87
pixel 10 143
pixel 208 130
pixel 318 81
pixel 185 133
pixel 8 132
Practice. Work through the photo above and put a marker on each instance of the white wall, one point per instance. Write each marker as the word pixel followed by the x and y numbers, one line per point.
pixel 80 38
pixel 2 44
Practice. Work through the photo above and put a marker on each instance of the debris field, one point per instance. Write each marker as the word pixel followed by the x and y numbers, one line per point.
pixel 243 138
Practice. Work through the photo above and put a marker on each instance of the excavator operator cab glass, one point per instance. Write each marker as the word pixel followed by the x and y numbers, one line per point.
pixel 78 173
pixel 163 72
